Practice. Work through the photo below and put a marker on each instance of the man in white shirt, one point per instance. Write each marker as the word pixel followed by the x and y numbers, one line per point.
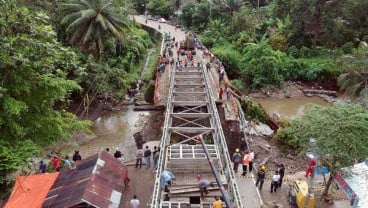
pixel 275 182
pixel 134 203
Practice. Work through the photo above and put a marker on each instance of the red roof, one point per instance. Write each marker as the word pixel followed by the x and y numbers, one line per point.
pixel 97 181
pixel 30 191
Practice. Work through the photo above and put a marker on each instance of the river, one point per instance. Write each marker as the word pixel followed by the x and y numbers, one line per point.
pixel 114 130
pixel 290 108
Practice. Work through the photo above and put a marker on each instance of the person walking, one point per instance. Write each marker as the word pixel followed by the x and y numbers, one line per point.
pixel 261 174
pixel 217 203
pixel 67 163
pixel 147 157
pixel 246 159
pixel 56 163
pixel 251 158
pixel 134 203
pixel 236 159
pixel 208 66
pixel 228 93
pixel 156 157
pixel 221 91
pixel 139 155
pixel 126 180
pixel 221 74
pixel 76 156
pixel 43 167
pixel 117 153
pixel 282 173
pixel 275 181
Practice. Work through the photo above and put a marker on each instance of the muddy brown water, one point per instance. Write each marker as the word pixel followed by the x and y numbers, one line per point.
pixel 114 130
pixel 291 108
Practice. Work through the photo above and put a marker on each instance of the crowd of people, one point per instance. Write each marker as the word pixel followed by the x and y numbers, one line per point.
pixel 246 159
pixel 57 163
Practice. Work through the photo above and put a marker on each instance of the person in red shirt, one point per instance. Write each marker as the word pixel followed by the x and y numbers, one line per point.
pixel 309 171
pixel 56 163
pixel 126 180
pixel 221 91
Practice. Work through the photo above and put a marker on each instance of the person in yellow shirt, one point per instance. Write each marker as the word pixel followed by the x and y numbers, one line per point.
pixel 217 203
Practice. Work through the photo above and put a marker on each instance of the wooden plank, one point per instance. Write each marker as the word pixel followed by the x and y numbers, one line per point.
pixel 189 103
pixel 194 130
pixel 189 190
pixel 191 115
pixel 189 92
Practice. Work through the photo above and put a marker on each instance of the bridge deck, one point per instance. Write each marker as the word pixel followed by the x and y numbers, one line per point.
pixel 189 95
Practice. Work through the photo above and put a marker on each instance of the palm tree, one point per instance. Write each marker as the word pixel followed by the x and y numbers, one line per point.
pixel 90 22
pixel 229 6
pixel 354 80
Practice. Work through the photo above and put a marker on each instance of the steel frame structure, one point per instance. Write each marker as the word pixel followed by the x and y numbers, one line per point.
pixel 190 114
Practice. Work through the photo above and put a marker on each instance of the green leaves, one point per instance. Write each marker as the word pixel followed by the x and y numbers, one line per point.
pixel 91 23
pixel 341 132
pixel 355 67
pixel 34 87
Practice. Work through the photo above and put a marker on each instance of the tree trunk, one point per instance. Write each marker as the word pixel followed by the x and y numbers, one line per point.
pixel 328 184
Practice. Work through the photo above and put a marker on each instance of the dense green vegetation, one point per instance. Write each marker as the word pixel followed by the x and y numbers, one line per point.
pixel 263 44
pixel 340 131
pixel 279 41
pixel 54 54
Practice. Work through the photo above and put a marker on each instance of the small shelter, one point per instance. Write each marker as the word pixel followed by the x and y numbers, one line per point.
pixel 97 181
pixel 30 191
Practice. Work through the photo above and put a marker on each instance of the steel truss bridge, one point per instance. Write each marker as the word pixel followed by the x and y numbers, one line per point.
pixel 193 145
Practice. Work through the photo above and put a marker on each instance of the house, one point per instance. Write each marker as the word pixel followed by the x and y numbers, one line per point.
pixel 97 181
pixel 30 191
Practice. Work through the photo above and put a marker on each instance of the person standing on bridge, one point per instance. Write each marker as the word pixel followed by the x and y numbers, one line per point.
pixel 275 181
pixel 221 91
pixel 282 173
pixel 236 159
pixel 261 174
pixel 246 159
pixel 251 158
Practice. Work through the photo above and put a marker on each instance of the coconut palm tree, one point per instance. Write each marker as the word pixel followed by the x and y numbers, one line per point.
pixel 90 22
pixel 354 80
pixel 229 6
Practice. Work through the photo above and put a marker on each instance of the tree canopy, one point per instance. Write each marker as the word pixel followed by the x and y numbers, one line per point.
pixel 341 133
pixel 91 21
pixel 34 86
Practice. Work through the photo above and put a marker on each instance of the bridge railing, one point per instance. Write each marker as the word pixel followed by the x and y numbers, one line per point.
pixel 222 146
pixel 164 142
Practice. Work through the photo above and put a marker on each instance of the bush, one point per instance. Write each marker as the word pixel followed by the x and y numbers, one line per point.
pixel 253 111
pixel 238 84
pixel 347 47
pixel 230 58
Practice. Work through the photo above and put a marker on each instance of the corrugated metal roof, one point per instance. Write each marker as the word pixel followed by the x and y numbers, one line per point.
pixel 97 180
